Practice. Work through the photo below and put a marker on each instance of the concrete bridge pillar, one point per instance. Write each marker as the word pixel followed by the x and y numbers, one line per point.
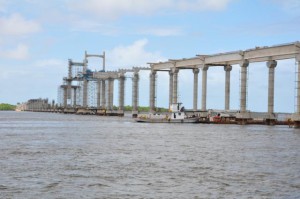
pixel 121 94
pixel 135 93
pixel 69 84
pixel 171 75
pixel 75 92
pixel 98 93
pixel 65 97
pixel 85 85
pixel 152 90
pixel 103 97
pixel 175 85
pixel 110 94
pixel 85 93
pixel 227 69
pixel 271 65
pixel 298 87
pixel 69 92
pixel 195 93
pixel 204 87
pixel 296 115
pixel 243 93
pixel 242 117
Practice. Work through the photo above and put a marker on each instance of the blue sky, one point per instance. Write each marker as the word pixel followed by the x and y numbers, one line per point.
pixel 38 37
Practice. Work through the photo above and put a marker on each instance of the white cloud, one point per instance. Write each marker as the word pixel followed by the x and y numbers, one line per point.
pixel 13 28
pixel 19 53
pixel 16 25
pixel 132 55
pixel 112 9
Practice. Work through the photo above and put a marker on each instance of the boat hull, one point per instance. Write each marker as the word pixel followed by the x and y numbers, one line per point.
pixel 156 120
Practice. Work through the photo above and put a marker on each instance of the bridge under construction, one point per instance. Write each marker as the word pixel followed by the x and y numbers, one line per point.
pixel 94 91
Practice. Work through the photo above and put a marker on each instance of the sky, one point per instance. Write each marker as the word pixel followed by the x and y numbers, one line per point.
pixel 38 37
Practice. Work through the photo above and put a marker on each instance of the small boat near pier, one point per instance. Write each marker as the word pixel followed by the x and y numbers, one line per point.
pixel 176 115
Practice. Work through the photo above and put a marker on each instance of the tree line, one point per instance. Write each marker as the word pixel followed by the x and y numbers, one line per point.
pixel 7 107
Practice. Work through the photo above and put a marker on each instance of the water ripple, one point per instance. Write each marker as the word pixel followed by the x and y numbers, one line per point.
pixel 69 156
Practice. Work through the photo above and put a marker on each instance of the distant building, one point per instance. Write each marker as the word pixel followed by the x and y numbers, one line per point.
pixel 34 105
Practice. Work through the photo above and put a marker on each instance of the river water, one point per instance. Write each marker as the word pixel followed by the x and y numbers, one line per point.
pixel 49 155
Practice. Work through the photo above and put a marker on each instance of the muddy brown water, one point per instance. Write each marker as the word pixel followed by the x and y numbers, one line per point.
pixel 49 155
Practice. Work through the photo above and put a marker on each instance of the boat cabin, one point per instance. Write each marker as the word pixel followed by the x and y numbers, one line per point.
pixel 177 111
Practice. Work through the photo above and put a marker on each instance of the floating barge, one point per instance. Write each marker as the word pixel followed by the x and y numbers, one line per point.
pixel 177 115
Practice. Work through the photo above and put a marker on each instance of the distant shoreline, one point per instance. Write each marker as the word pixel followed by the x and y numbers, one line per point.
pixel 7 107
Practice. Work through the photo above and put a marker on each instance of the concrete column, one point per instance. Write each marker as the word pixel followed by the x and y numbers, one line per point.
pixel 121 92
pixel 195 101
pixel 85 85
pixel 135 91
pixel 243 100
pixel 204 86
pixel 227 69
pixel 65 96
pixel 298 87
pixel 69 84
pixel 175 85
pixel 69 92
pixel 271 65
pixel 171 75
pixel 152 90
pixel 103 99
pixel 98 93
pixel 296 115
pixel 110 93
pixel 85 93
pixel 75 91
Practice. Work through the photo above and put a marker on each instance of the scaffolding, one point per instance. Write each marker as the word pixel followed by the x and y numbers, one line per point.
pixel 79 93
pixel 92 94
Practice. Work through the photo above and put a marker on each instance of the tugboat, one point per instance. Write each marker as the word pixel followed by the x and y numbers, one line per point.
pixel 177 115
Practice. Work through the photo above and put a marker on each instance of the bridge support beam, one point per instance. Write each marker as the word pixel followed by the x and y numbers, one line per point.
pixel 69 85
pixel 175 85
pixel 204 87
pixel 85 93
pixel 296 115
pixel 227 69
pixel 243 116
pixel 98 93
pixel 121 94
pixel 135 93
pixel 110 95
pixel 171 75
pixel 152 90
pixel 69 93
pixel 195 93
pixel 65 96
pixel 75 96
pixel 271 117
pixel 103 97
